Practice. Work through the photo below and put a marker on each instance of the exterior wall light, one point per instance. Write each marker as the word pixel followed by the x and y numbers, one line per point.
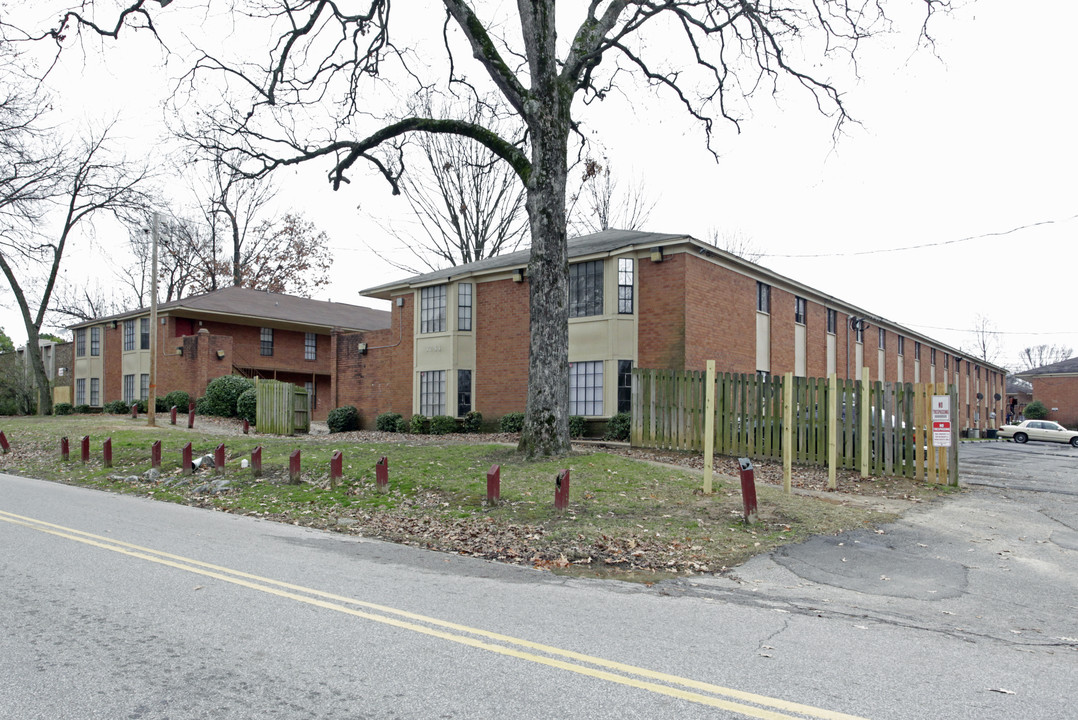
pixel 656 254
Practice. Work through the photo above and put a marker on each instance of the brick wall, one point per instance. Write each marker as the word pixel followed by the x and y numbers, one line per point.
pixel 1058 392
pixel 662 309
pixel 816 350
pixel 720 317
pixel 782 331
pixel 502 338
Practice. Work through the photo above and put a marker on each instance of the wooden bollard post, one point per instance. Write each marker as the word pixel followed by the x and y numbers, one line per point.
pixel 336 468
pixel 172 415
pixel 155 454
pixel 4 444
pixel 65 449
pixel 134 411
pixel 219 458
pixel 186 459
pixel 191 417
pixel 381 473
pixel 294 467
pixel 494 484
pixel 106 451
pixel 256 461
pixel 246 426
pixel 86 448
pixel 561 490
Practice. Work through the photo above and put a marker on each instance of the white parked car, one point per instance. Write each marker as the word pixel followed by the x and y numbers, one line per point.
pixel 1039 430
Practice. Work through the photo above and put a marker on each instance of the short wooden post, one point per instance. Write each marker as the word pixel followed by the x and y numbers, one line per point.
pixel 4 444
pixel 561 490
pixel 494 484
pixel 106 451
pixel 256 461
pixel 219 458
pixel 86 448
pixel 155 454
pixel 381 472
pixel 134 411
pixel 65 449
pixel 246 426
pixel 172 415
pixel 185 461
pixel 294 467
pixel 191 418
pixel 336 468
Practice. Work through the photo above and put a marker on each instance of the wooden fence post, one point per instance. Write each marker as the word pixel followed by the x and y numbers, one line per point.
pixel 952 459
pixel 866 410
pixel 787 432
pixel 709 425
pixel 832 431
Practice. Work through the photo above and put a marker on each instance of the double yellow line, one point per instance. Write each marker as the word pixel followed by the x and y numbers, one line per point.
pixel 735 701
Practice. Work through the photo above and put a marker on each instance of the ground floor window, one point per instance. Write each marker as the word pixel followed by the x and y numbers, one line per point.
pixel 95 392
pixel 586 388
pixel 464 392
pixel 80 391
pixel 144 386
pixel 432 393
pixel 129 389
pixel 625 386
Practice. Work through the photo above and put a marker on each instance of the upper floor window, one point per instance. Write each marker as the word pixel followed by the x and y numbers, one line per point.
pixel 763 297
pixel 432 309
pixel 625 286
pixel 144 333
pixel 858 330
pixel 129 335
pixel 832 321
pixel 310 346
pixel 901 345
pixel 916 351
pixel 932 356
pixel 80 344
pixel 95 341
pixel 464 307
pixel 265 341
pixel 586 388
pixel 800 310
pixel 946 361
pixel 586 289
pixel 883 339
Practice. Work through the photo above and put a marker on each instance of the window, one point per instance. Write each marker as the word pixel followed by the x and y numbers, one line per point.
pixel 883 339
pixel 858 330
pixel 932 356
pixel 144 386
pixel 432 393
pixel 144 333
pixel 625 385
pixel 464 392
pixel 901 345
pixel 80 343
pixel 129 386
pixel 625 286
pixel 129 335
pixel 310 346
pixel 95 341
pixel 80 391
pixel 265 343
pixel 432 309
pixel 800 310
pixel 586 388
pixel 95 391
pixel 917 351
pixel 946 360
pixel 586 289
pixel 832 321
pixel 763 297
pixel 464 307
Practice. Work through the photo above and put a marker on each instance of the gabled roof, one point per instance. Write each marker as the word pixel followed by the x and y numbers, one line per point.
pixel 248 306
pixel 1063 367
pixel 1018 386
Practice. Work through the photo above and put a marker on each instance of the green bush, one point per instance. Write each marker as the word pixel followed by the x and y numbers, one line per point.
pixel 83 409
pixel 223 392
pixel 401 426
pixel 143 406
pixel 9 407
pixel 62 409
pixel 343 419
pixel 511 422
pixel 418 425
pixel 442 425
pixel 116 407
pixel 388 421
pixel 178 398
pixel 247 405
pixel 618 427
pixel 1035 411
pixel 577 426
pixel 160 405
pixel 472 422
pixel 202 406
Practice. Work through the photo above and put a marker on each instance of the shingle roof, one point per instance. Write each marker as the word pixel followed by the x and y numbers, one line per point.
pixel 239 302
pixel 1063 367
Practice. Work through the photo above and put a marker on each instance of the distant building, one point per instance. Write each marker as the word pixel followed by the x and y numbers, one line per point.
pixel 1056 386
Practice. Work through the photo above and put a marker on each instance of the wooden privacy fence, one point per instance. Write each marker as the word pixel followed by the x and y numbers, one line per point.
pixel 283 408
pixel 878 428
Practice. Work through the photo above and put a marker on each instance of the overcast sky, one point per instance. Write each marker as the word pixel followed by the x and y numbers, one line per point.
pixel 967 157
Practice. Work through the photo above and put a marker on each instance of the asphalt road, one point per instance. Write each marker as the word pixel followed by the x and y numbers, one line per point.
pixel 120 607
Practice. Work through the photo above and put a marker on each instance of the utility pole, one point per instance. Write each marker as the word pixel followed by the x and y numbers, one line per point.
pixel 151 404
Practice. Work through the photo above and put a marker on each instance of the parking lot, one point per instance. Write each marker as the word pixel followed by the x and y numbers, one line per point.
pixel 1035 467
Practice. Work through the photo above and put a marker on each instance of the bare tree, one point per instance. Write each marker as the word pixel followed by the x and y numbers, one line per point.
pixel 1037 356
pixel 985 343
pixel 601 204
pixel 736 243
pixel 323 51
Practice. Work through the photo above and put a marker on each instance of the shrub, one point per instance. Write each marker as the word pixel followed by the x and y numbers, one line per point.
pixel 202 406
pixel 62 409
pixel 83 409
pixel 117 407
pixel 343 419
pixel 442 425
pixel 223 392
pixel 9 407
pixel 577 426
pixel 388 421
pixel 178 398
pixel 511 422
pixel 472 422
pixel 1035 411
pixel 143 406
pixel 401 425
pixel 418 424
pixel 619 426
pixel 247 405
pixel 160 405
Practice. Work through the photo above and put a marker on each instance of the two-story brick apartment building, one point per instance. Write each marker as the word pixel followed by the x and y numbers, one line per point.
pixel 231 331
pixel 459 337
pixel 1056 386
